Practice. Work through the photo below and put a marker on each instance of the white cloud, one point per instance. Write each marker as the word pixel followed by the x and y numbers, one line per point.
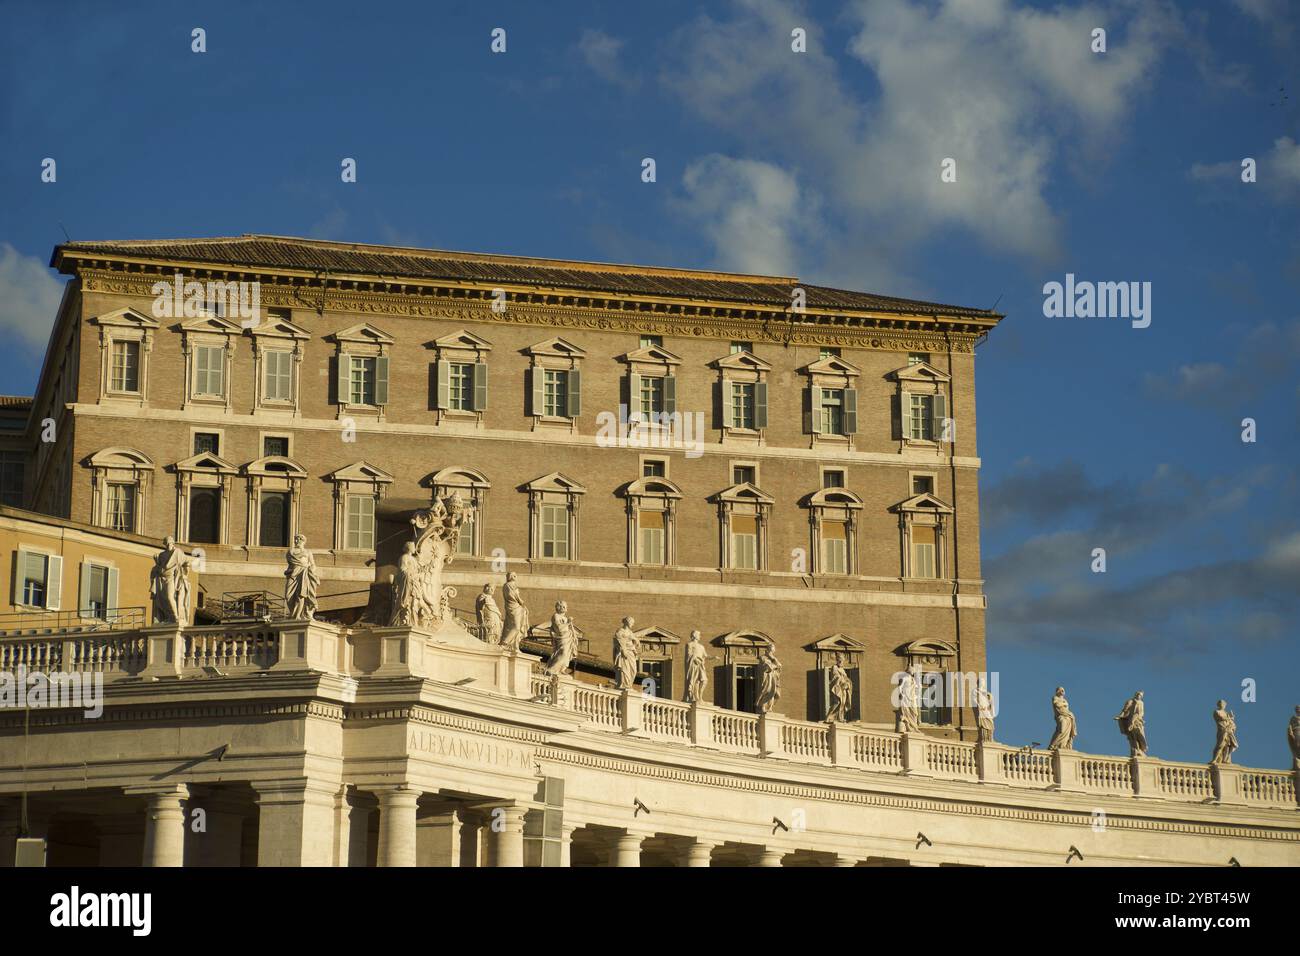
pixel 29 298
pixel 1010 93
pixel 1278 169
pixel 603 54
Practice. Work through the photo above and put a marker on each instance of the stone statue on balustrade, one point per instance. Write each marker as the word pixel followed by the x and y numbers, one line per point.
pixel 517 624
pixel 1293 738
pixel 1132 724
pixel 984 712
pixel 489 615
pixel 769 691
pixel 169 584
pixel 627 654
pixel 564 641
pixel 840 686
pixel 419 597
pixel 300 581
pixel 907 701
pixel 1066 727
pixel 696 675
pixel 1225 740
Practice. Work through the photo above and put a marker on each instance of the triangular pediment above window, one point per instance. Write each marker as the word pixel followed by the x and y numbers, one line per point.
pixel 279 329
pixel 746 492
pixel 211 323
pixel 652 486
pixel 923 502
pixel 837 642
pixel 556 347
pixel 126 318
pixel 920 372
pixel 361 471
pixel 364 333
pixel 832 365
pixel 464 340
pixel 652 355
pixel 206 461
pixel 743 361
pixel 556 482
pixel 654 634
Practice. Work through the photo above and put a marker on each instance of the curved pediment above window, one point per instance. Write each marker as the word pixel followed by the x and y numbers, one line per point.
pixel 208 462
pixel 555 482
pixel 652 486
pixel 833 498
pixel 455 477
pixel 927 651
pixel 275 465
pixel 925 503
pixel 920 372
pixel 744 493
pixel 121 457
pixel 750 640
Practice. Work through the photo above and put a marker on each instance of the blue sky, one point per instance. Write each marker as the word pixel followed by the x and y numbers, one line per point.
pixel 1115 166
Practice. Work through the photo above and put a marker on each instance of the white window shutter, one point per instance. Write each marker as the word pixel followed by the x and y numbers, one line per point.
pixel 112 593
pixel 760 405
pixel 850 411
pixel 538 389
pixel 343 380
pixel 444 384
pixel 20 574
pixel 83 602
pixel 728 410
pixel 575 392
pixel 381 380
pixel 480 398
pixel 54 583
pixel 906 410
pixel 940 407
pixel 670 394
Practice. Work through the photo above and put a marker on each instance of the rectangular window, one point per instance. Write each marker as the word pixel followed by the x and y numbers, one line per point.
pixel 922 411
pixel 744 542
pixel 361 390
pixel 833 478
pixel 746 689
pixel 934 706
pixel 277 445
pixel 273 520
pixel 460 386
pixel 126 367
pixel 555 394
pixel 828 351
pixel 205 516
pixel 121 507
pixel 359 534
pixel 652 397
pixel 738 347
pixel 465 544
pixel 659 673
pixel 916 358
pixel 35 574
pixel 209 370
pixel 832 411
pixel 923 552
pixel 95 601
pixel 650 525
pixel 835 547
pixel 555 531
pixel 742 405
pixel 207 443
pixel 922 484
pixel 744 474
pixel 278 386
pixel 654 468
pixel 649 340
pixel 11 479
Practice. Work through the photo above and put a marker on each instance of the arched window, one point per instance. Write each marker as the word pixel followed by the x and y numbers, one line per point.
pixel 652 521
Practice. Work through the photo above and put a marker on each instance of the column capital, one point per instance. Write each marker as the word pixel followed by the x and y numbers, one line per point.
pixel 293 790
pixel 771 857
pixel 160 793
pixel 395 795
pixel 842 860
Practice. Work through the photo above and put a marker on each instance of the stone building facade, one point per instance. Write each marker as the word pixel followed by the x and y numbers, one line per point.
pixel 818 491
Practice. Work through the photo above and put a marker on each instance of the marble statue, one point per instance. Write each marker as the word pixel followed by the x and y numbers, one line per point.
pixel 489 615
pixel 300 581
pixel 169 584
pixel 697 677
pixel 1066 728
pixel 564 641
pixel 841 692
pixel 627 653
pixel 983 714
pixel 1225 739
pixel 907 717
pixel 419 598
pixel 770 690
pixel 1293 738
pixel 516 624
pixel 1132 724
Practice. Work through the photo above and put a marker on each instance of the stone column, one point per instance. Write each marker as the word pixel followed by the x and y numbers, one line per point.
pixel 507 825
pixel 627 850
pixel 438 838
pixel 295 822
pixel 771 857
pixel 471 838
pixel 566 843
pixel 700 853
pixel 842 860
pixel 397 825
pixel 164 823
